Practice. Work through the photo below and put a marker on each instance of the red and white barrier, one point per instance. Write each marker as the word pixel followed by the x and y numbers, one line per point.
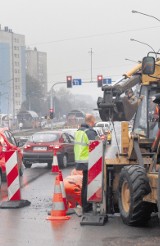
pixel 12 174
pixel 95 172
pixel 13 182
pixel 55 167
pixel 95 192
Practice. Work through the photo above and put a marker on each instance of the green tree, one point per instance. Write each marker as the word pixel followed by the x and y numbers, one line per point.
pixel 63 101
pixel 35 98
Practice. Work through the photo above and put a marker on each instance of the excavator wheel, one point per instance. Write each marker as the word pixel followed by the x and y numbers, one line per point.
pixel 133 186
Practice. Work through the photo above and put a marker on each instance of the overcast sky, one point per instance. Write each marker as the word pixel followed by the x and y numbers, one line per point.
pixel 68 29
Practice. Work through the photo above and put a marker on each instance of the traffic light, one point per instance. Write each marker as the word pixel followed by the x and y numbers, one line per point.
pixel 99 80
pixel 69 81
pixel 51 114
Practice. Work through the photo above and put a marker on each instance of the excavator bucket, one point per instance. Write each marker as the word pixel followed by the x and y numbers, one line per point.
pixel 121 110
pixel 114 107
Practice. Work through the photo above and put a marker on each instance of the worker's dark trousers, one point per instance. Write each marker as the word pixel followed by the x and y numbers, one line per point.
pixel 85 205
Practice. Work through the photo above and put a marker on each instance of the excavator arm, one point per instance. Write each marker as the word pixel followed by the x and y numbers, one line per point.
pixel 115 107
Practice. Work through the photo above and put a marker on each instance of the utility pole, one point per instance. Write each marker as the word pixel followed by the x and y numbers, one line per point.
pixel 91 53
pixel 12 86
pixel 51 106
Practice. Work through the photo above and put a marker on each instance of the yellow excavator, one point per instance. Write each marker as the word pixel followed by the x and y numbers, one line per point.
pixel 132 176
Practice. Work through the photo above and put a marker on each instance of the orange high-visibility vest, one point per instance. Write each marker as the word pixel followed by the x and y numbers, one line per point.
pixel 73 187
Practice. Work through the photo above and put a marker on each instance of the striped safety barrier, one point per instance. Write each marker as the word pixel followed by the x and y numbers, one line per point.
pixel 95 191
pixel 95 172
pixel 13 182
pixel 12 174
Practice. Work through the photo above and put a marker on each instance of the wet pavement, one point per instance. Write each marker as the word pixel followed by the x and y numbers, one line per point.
pixel 29 226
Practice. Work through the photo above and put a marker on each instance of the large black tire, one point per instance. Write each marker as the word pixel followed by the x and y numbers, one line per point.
pixel 133 186
pixel 27 165
pixel 64 161
pixel 49 165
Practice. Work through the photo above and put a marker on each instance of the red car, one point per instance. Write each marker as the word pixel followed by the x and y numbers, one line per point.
pixel 7 143
pixel 41 146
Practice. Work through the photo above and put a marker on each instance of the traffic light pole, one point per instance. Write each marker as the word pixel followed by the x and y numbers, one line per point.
pixel 51 95
pixel 51 99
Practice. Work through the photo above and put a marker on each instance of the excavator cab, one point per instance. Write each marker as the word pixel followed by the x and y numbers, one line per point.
pixel 146 118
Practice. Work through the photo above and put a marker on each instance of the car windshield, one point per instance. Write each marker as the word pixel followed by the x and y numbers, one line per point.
pixel 102 124
pixel 44 137
pixel 99 131
pixel 70 131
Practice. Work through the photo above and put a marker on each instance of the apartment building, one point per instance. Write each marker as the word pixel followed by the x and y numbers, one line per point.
pixel 12 71
pixel 36 66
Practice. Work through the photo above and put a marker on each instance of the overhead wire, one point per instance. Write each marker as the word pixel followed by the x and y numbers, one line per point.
pixel 93 35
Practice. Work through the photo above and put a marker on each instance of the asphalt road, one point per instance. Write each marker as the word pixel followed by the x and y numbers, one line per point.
pixel 28 226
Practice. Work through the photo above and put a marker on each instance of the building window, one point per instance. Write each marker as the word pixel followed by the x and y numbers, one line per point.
pixel 16 48
pixel 16 40
pixel 17 94
pixel 16 55
pixel 16 64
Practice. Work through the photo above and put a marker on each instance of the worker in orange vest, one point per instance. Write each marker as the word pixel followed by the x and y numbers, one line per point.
pixel 73 187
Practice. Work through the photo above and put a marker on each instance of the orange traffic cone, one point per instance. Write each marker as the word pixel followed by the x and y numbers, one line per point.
pixel 55 167
pixel 63 189
pixel 58 210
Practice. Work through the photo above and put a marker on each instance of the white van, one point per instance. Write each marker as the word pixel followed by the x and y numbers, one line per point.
pixel 106 127
pixel 103 124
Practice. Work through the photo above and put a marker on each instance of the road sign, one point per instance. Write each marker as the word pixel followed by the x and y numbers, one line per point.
pixel 77 82
pixel 107 81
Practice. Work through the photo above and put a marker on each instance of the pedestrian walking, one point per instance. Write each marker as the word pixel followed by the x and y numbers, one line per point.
pixel 83 135
pixel 20 126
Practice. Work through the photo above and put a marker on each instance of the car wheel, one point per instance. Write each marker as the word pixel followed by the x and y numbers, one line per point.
pixel 49 165
pixel 27 165
pixel 20 172
pixel 64 161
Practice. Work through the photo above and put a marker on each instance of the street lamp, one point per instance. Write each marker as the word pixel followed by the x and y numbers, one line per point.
pixel 126 59
pixel 132 39
pixel 137 12
pixel 91 53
